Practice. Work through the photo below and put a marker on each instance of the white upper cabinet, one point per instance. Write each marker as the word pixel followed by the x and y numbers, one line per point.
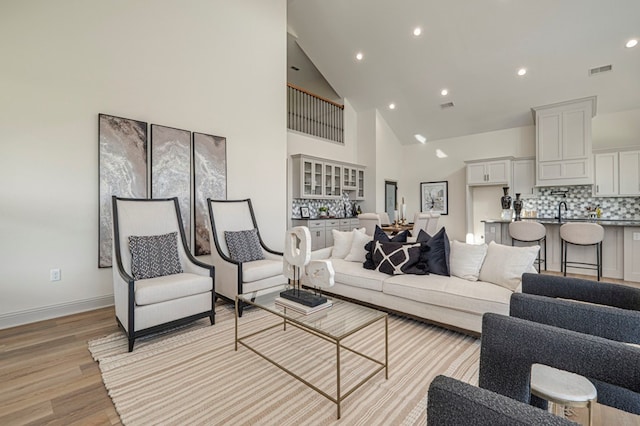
pixel 563 143
pixel 606 168
pixel 524 178
pixel 629 173
pixel 318 178
pixel 489 172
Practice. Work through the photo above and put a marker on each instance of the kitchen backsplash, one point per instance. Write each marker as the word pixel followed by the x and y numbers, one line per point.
pixel 579 199
pixel 338 208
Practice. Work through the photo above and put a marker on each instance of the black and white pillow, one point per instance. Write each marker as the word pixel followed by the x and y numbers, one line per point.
pixel 380 235
pixel 154 256
pixel 400 258
pixel 244 246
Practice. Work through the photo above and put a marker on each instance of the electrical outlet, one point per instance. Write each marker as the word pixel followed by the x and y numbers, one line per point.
pixel 54 274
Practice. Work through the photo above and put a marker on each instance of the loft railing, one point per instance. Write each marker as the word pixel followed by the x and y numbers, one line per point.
pixel 314 115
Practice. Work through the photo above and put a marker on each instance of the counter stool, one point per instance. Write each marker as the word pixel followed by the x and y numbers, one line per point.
pixel 529 232
pixel 581 234
pixel 562 388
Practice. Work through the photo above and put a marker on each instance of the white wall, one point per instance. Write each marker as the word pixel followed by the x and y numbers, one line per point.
pixel 191 66
pixel 388 162
pixel 616 130
pixel 420 164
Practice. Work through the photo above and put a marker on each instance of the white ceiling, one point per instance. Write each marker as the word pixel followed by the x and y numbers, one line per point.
pixel 474 49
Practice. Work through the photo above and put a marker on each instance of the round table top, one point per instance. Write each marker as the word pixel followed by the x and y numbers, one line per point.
pixel 560 386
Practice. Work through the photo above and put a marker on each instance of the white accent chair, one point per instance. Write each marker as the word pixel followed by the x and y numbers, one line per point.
pixel 368 221
pixel 146 306
pixel 384 218
pixel 420 221
pixel 240 277
pixel 432 225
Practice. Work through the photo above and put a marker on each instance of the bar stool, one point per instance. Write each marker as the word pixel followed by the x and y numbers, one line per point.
pixel 562 388
pixel 581 234
pixel 529 232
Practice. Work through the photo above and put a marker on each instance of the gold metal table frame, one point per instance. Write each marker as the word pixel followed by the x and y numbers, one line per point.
pixel 292 320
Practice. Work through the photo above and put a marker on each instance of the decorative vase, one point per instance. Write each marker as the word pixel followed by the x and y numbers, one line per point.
pixel 517 206
pixel 505 200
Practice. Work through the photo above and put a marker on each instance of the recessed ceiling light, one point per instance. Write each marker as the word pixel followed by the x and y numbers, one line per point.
pixel 392 106
pixel 417 31
pixel 444 92
pixel 359 56
pixel 522 71
pixel 420 138
pixel 632 43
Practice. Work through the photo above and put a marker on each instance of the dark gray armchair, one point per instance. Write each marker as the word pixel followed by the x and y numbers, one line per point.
pixel 510 346
pixel 455 403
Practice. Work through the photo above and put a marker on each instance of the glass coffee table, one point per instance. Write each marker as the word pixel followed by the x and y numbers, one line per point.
pixel 341 320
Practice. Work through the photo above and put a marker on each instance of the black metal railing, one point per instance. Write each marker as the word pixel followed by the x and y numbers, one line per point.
pixel 314 115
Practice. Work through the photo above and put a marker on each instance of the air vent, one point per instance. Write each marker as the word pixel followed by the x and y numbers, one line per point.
pixel 293 67
pixel 599 70
pixel 447 105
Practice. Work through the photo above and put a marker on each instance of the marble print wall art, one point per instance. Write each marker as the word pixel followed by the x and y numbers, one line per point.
pixel 122 171
pixel 171 169
pixel 209 181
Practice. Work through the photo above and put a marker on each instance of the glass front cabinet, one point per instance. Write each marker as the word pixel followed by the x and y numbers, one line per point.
pixel 318 178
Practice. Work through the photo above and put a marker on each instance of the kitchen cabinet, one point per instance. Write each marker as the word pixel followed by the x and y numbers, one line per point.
pixel 320 229
pixel 606 174
pixel 523 181
pixel 318 178
pixel 629 167
pixel 632 253
pixel 495 171
pixel 563 143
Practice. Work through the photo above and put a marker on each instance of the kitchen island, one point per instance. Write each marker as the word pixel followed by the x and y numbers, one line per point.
pixel 620 246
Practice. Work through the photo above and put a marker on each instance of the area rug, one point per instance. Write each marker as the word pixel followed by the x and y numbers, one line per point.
pixel 194 376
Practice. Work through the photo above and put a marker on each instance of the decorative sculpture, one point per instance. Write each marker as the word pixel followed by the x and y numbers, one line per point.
pixel 297 265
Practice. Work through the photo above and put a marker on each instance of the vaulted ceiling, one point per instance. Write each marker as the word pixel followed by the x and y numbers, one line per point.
pixel 472 48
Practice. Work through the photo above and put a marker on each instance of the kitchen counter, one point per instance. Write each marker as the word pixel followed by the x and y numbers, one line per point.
pixel 552 221
pixel 620 246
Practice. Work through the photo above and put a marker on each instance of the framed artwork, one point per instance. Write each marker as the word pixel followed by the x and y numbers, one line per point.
pixel 171 169
pixel 209 181
pixel 434 197
pixel 304 212
pixel 122 171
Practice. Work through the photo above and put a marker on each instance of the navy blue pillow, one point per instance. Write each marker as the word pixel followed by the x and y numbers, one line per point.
pixel 380 235
pixel 438 253
pixel 400 258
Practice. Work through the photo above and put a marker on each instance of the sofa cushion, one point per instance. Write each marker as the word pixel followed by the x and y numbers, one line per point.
pixel 466 260
pixel 400 258
pixel 450 292
pixel 380 235
pixel 504 265
pixel 438 254
pixel 261 269
pixel 342 241
pixel 170 287
pixel 358 250
pixel 154 255
pixel 353 274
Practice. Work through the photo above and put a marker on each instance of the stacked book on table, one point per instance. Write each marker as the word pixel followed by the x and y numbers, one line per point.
pixel 283 304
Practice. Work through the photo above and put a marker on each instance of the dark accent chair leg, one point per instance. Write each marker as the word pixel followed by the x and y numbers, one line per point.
pixel 212 318
pixel 240 309
pixel 131 340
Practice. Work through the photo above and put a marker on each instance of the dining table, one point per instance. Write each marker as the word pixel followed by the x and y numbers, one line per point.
pixel 394 229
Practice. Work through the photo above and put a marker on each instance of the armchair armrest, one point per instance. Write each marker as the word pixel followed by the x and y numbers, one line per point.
pixel 598 320
pixel 619 296
pixel 455 403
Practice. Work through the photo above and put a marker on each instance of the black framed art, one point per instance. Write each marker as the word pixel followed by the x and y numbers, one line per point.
pixel 304 212
pixel 434 197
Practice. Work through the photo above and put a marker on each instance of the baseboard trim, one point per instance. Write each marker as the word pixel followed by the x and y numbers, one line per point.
pixel 54 311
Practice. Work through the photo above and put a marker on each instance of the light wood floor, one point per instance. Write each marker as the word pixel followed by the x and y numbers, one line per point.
pixel 47 375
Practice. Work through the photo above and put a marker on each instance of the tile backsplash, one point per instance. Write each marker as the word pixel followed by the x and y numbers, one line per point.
pixel 342 207
pixel 579 199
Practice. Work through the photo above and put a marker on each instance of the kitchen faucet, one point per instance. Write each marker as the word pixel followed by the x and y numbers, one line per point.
pixel 559 217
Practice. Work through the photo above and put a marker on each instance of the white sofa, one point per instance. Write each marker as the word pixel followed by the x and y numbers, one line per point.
pixel 450 301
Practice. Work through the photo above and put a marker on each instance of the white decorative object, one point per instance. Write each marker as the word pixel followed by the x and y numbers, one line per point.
pixel 297 251
pixel 320 273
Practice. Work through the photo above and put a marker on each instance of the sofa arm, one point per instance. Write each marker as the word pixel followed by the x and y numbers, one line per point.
pixel 455 403
pixel 323 253
pixel 619 296
pixel 603 321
